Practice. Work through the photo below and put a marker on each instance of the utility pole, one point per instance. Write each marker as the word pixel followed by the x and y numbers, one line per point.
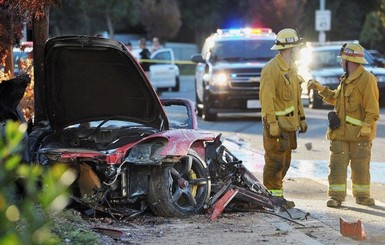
pixel 322 34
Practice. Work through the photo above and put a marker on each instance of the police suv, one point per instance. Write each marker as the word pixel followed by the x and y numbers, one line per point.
pixel 228 71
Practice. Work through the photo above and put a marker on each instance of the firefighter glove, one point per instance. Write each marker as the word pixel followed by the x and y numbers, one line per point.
pixel 364 131
pixel 274 129
pixel 303 126
pixel 315 85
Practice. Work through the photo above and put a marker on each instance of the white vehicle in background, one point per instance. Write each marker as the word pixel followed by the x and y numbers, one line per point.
pixel 164 73
pixel 321 62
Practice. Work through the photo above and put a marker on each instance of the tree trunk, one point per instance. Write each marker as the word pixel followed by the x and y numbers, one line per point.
pixel 9 61
pixel 40 36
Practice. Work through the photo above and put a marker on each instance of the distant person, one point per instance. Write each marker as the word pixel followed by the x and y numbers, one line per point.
pixel 129 45
pixel 352 126
pixel 282 110
pixel 144 55
pixel 28 113
pixel 155 44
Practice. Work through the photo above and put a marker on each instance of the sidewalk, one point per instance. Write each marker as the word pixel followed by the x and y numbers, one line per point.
pixel 310 196
pixel 321 225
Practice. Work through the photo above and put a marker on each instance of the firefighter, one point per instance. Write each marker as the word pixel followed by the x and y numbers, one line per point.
pixel 353 127
pixel 282 110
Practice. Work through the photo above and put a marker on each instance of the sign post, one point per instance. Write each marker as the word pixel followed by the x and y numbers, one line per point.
pixel 322 23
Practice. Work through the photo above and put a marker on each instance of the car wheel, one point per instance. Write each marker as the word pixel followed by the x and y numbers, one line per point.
pixel 315 101
pixel 198 102
pixel 181 189
pixel 177 85
pixel 206 114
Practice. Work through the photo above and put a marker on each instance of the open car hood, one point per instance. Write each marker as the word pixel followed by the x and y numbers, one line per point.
pixel 90 78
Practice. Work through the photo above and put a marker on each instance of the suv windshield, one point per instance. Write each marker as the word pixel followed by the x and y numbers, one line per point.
pixel 240 50
pixel 328 58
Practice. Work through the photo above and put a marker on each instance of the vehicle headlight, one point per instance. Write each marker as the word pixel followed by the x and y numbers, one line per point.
pixel 146 153
pixel 219 79
pixel 380 79
pixel 328 80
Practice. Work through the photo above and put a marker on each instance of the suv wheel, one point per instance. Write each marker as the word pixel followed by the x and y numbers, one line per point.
pixel 198 103
pixel 177 85
pixel 181 189
pixel 206 114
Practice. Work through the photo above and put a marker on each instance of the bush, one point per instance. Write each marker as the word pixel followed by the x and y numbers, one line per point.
pixel 28 193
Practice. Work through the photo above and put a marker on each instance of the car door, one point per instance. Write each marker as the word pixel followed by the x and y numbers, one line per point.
pixel 180 113
pixel 163 71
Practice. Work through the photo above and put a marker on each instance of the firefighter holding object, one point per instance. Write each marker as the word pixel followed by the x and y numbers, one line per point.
pixel 353 127
pixel 282 110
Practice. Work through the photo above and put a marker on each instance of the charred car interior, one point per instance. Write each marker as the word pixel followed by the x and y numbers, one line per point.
pixel 131 150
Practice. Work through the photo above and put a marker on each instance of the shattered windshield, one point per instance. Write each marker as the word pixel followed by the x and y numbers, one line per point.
pixel 243 50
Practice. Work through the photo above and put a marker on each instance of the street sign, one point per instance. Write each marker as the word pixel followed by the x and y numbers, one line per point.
pixel 323 20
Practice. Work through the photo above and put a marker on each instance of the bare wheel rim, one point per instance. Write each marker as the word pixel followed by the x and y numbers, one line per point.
pixel 188 183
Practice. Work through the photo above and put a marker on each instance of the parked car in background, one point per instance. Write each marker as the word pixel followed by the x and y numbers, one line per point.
pixel 164 73
pixel 321 62
pixel 228 71
pixel 20 55
pixel 378 57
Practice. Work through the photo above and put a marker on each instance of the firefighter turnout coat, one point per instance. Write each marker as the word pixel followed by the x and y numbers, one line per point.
pixel 356 103
pixel 280 97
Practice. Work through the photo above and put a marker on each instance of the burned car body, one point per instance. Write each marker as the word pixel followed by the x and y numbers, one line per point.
pixel 103 118
pixel 11 93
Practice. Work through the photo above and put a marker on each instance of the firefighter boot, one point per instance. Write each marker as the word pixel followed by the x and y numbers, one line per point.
pixel 333 203
pixel 289 204
pixel 367 201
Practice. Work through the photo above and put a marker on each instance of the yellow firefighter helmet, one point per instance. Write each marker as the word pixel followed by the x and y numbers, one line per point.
pixel 287 38
pixel 353 52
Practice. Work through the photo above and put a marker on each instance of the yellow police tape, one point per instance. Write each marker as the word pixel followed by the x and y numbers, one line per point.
pixel 181 62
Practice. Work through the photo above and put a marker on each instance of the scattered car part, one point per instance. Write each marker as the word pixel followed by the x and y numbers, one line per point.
pixel 231 181
pixel 353 230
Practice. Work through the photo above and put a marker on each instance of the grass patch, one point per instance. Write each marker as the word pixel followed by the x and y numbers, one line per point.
pixel 70 228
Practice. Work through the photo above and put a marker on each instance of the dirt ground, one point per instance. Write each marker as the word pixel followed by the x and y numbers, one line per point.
pixel 314 223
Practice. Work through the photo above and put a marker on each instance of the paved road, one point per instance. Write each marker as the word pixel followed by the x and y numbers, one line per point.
pixel 248 127
pixel 306 182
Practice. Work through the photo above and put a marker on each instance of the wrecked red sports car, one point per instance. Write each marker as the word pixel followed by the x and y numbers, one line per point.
pixel 101 116
pixel 104 119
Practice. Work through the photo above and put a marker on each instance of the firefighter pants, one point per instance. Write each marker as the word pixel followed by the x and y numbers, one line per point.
pixel 277 159
pixel 357 154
